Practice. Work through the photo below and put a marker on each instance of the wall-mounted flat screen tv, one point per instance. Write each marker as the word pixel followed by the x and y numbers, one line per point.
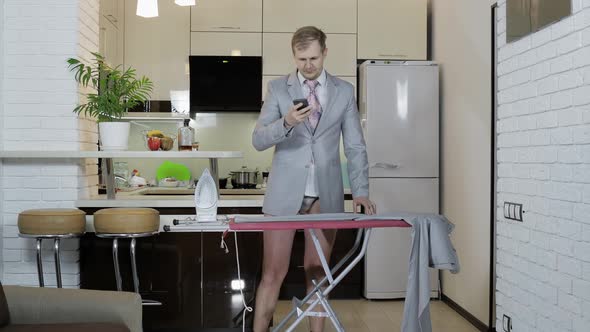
pixel 225 83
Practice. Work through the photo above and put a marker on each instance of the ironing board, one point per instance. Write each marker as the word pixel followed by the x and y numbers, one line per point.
pixel 334 275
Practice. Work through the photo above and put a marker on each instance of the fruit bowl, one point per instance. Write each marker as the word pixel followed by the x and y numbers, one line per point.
pixel 158 140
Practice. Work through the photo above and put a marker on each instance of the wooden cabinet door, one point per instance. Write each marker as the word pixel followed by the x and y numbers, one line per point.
pixel 392 29
pixel 158 48
pixel 227 15
pixel 110 42
pixel 110 9
pixel 278 57
pixel 226 43
pixel 332 16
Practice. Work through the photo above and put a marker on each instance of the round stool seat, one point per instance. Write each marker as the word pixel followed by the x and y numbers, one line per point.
pixel 51 222
pixel 126 221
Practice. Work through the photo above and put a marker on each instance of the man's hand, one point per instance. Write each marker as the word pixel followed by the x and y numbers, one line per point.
pixel 370 207
pixel 295 117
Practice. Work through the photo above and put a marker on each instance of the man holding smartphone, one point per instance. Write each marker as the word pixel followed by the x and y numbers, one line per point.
pixel 304 115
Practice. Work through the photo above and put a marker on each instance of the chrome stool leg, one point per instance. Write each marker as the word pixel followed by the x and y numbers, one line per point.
pixel 57 263
pixel 116 263
pixel 39 263
pixel 135 277
pixel 134 266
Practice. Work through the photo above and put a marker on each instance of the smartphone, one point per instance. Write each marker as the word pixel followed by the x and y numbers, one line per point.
pixel 301 101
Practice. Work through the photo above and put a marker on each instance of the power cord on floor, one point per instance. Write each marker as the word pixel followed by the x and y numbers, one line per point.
pixel 240 284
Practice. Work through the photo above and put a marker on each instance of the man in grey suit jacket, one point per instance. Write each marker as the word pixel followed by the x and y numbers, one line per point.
pixel 306 175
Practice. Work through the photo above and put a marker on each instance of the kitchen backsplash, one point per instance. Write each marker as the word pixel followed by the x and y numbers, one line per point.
pixel 214 132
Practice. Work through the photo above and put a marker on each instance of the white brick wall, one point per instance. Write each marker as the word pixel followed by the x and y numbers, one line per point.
pixel 2 10
pixel 543 263
pixel 38 95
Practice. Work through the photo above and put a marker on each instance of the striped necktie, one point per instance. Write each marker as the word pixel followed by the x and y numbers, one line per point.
pixel 314 102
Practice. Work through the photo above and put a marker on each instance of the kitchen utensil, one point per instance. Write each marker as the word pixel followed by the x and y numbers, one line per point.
pixel 244 178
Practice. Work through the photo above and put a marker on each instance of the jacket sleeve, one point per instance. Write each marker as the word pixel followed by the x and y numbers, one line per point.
pixel 355 150
pixel 270 129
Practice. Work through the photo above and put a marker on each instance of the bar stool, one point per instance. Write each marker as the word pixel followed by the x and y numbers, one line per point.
pixel 133 223
pixel 53 224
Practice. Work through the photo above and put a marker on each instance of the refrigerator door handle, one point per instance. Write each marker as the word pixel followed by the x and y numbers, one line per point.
pixel 384 165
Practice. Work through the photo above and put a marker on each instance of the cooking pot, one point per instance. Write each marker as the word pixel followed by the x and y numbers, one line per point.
pixel 244 178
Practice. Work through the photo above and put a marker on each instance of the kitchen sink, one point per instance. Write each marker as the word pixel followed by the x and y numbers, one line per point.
pixel 166 191
pixel 188 191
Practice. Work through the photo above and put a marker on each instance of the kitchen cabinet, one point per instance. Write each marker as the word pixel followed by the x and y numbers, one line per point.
pixel 278 57
pixel 268 78
pixel 332 16
pixel 110 40
pixel 226 43
pixel 392 29
pixel 186 271
pixel 227 15
pixel 158 48
pixel 113 10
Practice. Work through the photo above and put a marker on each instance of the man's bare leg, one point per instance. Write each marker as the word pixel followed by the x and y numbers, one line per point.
pixel 313 265
pixel 275 264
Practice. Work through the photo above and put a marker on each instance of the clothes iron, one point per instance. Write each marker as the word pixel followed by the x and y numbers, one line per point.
pixel 206 198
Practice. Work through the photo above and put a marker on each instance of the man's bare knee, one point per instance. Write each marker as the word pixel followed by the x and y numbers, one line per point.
pixel 273 278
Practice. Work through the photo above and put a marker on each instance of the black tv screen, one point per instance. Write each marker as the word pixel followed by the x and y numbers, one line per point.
pixel 225 83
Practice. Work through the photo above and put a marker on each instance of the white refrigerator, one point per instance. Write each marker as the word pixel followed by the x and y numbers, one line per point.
pixel 400 119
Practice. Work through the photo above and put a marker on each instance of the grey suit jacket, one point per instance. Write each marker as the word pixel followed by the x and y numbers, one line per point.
pixel 294 149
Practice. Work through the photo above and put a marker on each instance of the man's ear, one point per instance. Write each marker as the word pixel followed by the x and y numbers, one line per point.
pixel 325 53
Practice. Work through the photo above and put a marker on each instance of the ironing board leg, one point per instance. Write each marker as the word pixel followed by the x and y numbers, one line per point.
pixel 330 311
pixel 325 292
pixel 318 248
pixel 337 267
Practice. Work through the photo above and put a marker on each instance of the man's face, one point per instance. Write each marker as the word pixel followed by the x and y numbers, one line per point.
pixel 310 61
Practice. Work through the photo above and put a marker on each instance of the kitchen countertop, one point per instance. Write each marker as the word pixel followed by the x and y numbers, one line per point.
pixel 138 198
pixel 119 154
pixel 159 201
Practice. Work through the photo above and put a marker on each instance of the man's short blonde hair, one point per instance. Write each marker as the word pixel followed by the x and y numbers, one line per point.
pixel 305 36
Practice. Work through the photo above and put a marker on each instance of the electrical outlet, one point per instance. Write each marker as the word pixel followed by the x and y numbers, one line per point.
pixel 506 323
pixel 513 211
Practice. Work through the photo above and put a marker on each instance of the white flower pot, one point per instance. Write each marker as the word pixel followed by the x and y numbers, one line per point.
pixel 114 136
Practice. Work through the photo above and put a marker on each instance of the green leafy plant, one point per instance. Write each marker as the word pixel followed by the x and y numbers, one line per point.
pixel 117 90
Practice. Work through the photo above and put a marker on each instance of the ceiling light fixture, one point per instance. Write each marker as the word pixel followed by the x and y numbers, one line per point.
pixel 147 8
pixel 185 2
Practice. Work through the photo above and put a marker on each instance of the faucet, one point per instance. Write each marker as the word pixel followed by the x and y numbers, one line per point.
pixel 122 180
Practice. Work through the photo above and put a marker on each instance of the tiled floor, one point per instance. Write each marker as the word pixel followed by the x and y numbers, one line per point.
pixel 382 316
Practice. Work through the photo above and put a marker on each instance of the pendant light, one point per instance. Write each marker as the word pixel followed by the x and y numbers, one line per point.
pixel 147 8
pixel 185 2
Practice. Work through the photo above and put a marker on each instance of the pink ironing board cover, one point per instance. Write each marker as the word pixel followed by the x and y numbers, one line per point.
pixel 316 224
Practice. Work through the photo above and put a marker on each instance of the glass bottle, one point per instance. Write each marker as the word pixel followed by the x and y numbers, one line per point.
pixel 185 137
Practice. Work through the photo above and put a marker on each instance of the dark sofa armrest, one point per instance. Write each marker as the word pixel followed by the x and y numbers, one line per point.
pixel 33 305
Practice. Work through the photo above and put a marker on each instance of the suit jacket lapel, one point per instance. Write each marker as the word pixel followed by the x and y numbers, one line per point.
pixel 332 86
pixel 295 92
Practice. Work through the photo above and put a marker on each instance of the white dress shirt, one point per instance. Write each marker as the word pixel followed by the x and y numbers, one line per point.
pixel 311 187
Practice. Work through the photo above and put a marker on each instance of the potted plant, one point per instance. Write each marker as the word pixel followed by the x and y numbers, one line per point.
pixel 116 91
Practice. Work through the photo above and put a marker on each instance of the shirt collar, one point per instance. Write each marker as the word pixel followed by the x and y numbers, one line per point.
pixel 321 79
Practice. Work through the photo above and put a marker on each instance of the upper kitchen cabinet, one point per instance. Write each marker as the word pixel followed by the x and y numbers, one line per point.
pixel 332 16
pixel 226 43
pixel 113 10
pixel 278 57
pixel 110 42
pixel 392 29
pixel 159 48
pixel 227 15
